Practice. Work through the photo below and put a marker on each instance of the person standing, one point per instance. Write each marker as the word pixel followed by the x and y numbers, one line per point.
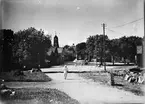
pixel 65 71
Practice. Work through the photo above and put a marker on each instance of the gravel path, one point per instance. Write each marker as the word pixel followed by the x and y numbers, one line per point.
pixel 89 92
pixel 85 91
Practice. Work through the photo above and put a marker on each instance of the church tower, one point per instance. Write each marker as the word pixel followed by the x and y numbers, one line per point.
pixel 56 44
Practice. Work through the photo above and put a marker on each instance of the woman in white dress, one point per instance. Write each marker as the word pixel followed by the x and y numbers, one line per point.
pixel 65 71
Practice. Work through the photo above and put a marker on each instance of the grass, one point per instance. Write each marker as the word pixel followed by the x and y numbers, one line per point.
pixel 120 83
pixel 39 96
pixel 125 85
pixel 27 77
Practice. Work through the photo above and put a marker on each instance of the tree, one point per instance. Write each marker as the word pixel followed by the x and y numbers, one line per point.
pixel 96 50
pixel 54 56
pixel 30 47
pixel 66 47
pixel 133 41
pixel 81 50
pixel 126 47
pixel 95 46
pixel 90 47
pixel 6 44
pixel 69 53
pixel 99 39
pixel 101 47
pixel 113 49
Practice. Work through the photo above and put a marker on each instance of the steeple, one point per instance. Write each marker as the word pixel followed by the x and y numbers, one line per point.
pixel 56 44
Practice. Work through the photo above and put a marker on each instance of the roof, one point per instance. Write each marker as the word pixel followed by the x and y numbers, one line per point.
pixel 52 49
pixel 60 49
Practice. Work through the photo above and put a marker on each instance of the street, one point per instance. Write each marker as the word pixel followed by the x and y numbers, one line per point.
pixel 85 91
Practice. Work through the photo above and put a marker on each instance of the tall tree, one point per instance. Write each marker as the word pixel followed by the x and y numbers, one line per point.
pixel 81 50
pixel 113 49
pixel 133 42
pixel 127 47
pixel 7 37
pixel 101 47
pixel 69 53
pixel 31 46
pixel 90 47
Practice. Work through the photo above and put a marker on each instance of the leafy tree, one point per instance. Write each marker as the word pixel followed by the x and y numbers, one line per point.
pixel 114 48
pixel 66 47
pixel 69 53
pixel 54 56
pixel 125 47
pixel 30 47
pixel 90 47
pixel 133 41
pixel 81 50
pixel 95 46
pixel 6 43
pixel 101 47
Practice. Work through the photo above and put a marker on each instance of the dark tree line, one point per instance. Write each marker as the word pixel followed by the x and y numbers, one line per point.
pixel 102 48
pixel 69 53
pixel 30 48
pixel 24 48
pixel 81 50
pixel 6 46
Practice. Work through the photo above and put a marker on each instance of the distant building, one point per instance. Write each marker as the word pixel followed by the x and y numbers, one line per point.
pixel 56 43
pixel 54 49
pixel 55 52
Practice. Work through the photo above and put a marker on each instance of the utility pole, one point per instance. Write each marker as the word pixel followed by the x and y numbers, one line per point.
pixel 104 25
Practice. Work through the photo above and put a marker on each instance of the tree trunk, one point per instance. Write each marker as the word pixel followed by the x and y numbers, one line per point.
pixel 124 60
pixel 101 61
pixel 113 60
pixel 89 58
pixel 96 60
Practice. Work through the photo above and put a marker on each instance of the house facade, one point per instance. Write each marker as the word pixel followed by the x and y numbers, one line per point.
pixel 55 53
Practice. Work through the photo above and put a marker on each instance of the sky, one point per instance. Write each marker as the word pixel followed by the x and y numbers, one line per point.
pixel 74 20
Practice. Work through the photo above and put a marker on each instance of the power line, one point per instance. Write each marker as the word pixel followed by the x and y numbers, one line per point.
pixel 115 31
pixel 128 23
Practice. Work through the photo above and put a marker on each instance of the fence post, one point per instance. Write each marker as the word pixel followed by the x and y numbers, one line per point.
pixel 112 77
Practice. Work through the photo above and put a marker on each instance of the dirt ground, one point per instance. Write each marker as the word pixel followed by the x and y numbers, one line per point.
pixel 89 92
pixel 85 91
pixel 37 96
pixel 119 82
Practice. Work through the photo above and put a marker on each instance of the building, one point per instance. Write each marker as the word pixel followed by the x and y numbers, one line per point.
pixel 56 43
pixel 55 53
